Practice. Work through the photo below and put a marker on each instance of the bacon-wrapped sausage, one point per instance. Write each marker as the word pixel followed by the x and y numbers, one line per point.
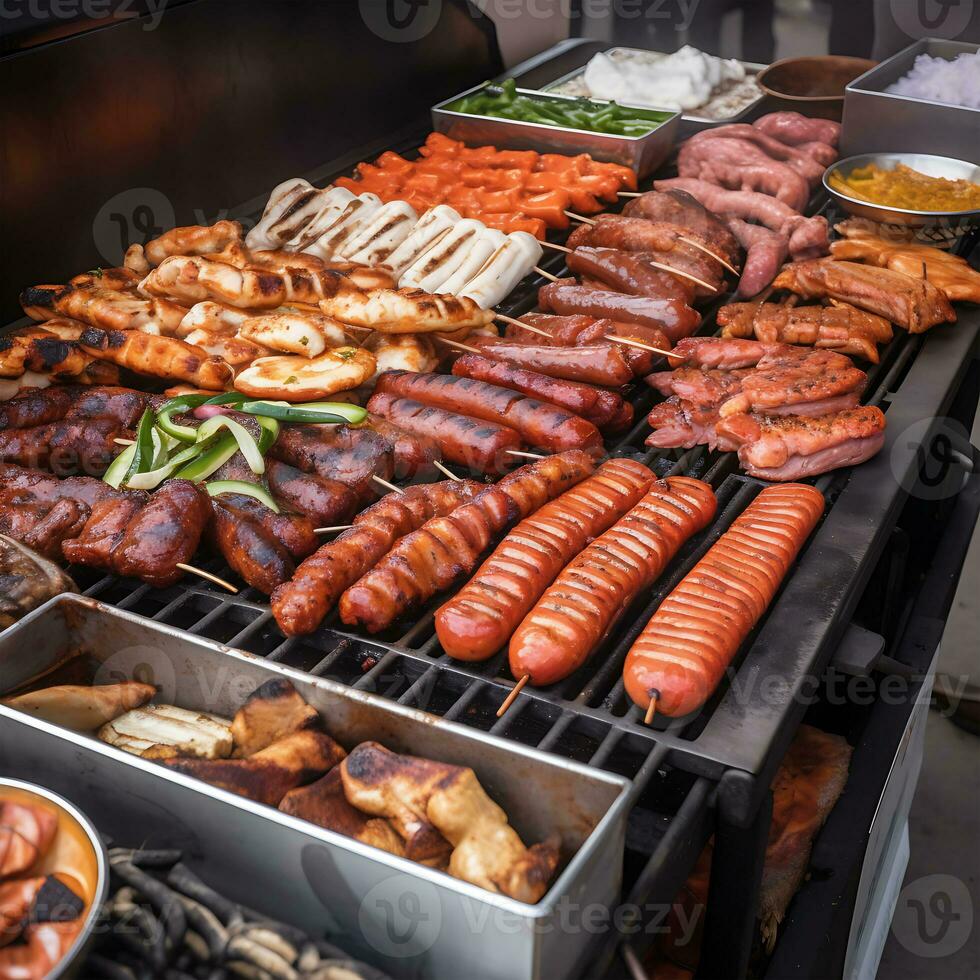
pixel 684 650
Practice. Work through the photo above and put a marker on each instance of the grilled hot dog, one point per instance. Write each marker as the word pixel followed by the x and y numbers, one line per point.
pixel 596 364
pixel 579 609
pixel 479 620
pixel 683 651
pixel 539 424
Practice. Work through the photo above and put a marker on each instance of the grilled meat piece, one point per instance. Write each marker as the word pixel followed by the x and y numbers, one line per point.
pixel 250 550
pixel 268 775
pixel 791 447
pixel 36 406
pixel 272 711
pixel 350 455
pixel 842 328
pixel 324 803
pixel 41 486
pixel 166 531
pixel 104 530
pixel 915 304
pixel 766 251
pixel 699 385
pixel 41 406
pixel 404 310
pixel 60 522
pixel 326 502
pixel 444 548
pixel 414 453
pixel 192 240
pixel 300 605
pixel 681 424
pixel 27 580
pixel 65 447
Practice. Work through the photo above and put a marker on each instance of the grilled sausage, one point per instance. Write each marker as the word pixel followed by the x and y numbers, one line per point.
pixel 166 531
pixel 325 502
pixel 478 445
pixel 301 604
pixel 684 650
pixel 671 315
pixel 480 619
pixel 103 531
pixel 596 364
pixel 629 272
pixel 251 551
pixel 66 447
pixel 563 629
pixel 414 452
pixel 443 549
pixel 607 410
pixel 37 406
pixel 540 424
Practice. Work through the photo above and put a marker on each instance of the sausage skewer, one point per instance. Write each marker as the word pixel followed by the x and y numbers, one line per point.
pixel 685 648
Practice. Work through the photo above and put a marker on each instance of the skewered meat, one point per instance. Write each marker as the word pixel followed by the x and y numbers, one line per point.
pixel 378 236
pixel 723 353
pixel 292 205
pixel 447 807
pixel 327 502
pixel 43 486
pixel 915 304
pixel 684 649
pixel 324 803
pixel 28 580
pixel 66 447
pixel 842 328
pixel 166 531
pixel 300 605
pixel 430 559
pixel 598 364
pixel 404 310
pixel 793 128
pixel 508 265
pixel 674 317
pixel 268 775
pixel 629 272
pixel 539 424
pixel 682 209
pixel 298 379
pixel 951 273
pixel 272 711
pixel 192 240
pixel 740 165
pixel 607 410
pixel 701 385
pixel 580 608
pixel 792 447
pixel 477 444
pixel 306 334
pixel 159 357
pixel 350 455
pixel 82 708
pixel 480 619
pixel 414 452
pixel 41 351
pixel 104 528
pixel 215 318
pixel 679 423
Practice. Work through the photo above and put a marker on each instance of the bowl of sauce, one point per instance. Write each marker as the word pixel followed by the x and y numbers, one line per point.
pixel 813 85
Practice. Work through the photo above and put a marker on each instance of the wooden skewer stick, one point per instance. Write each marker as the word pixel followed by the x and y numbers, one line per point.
pixel 203 574
pixel 520 452
pixel 459 346
pixel 124 442
pixel 545 275
pixel 629 193
pixel 637 343
pixel 651 707
pixel 388 486
pixel 682 275
pixel 446 471
pixel 633 963
pixel 512 697
pixel 707 251
pixel 557 248
pixel 578 217
pixel 520 323
pixel 331 530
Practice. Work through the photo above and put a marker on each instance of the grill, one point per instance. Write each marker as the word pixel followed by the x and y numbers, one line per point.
pixel 693 776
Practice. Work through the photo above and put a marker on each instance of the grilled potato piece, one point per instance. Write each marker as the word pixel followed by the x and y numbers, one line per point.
pixel 306 334
pixel 296 379
pixel 162 731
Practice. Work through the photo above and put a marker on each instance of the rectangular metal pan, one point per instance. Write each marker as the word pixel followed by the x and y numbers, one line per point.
pixel 876 121
pixel 643 153
pixel 408 919
pixel 691 122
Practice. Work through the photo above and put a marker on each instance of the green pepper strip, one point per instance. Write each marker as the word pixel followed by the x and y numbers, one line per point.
pixel 119 468
pixel 240 486
pixel 209 461
pixel 152 479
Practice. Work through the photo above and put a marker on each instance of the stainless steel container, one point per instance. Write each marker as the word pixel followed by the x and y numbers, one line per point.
pixel 70 965
pixel 691 122
pixel 878 122
pixel 643 153
pixel 409 920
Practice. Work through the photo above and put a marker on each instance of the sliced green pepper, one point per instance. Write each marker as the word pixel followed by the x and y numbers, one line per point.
pixel 312 412
pixel 153 478
pixel 119 468
pixel 245 440
pixel 248 489
pixel 209 461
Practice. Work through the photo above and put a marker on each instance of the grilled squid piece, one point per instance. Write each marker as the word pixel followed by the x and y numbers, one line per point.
pixel 433 225
pixel 487 243
pixel 438 263
pixel 503 270
pixel 404 310
pixel 215 318
pixel 306 334
pixel 237 351
pixel 387 229
pixel 296 379
pixel 273 228
pixel 402 352
pixel 192 240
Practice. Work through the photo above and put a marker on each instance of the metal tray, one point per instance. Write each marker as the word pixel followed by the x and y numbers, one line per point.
pixel 876 121
pixel 408 919
pixel 643 153
pixel 691 122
